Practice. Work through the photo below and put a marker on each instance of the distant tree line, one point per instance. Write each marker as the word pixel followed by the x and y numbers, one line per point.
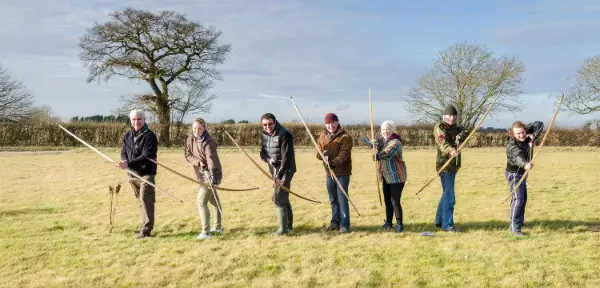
pixel 101 118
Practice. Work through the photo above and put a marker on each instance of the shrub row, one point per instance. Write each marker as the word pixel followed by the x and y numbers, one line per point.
pixel 110 135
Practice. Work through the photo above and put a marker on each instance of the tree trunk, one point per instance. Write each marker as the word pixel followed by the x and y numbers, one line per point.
pixel 164 119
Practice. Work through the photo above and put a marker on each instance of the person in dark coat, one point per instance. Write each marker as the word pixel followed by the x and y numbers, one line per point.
pixel 519 152
pixel 139 146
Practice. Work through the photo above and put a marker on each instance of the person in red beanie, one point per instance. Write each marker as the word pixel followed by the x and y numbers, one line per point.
pixel 336 145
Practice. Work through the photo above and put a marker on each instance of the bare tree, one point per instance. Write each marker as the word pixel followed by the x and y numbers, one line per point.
pixel 183 101
pixel 192 100
pixel 467 76
pixel 584 96
pixel 15 99
pixel 162 49
pixel 42 114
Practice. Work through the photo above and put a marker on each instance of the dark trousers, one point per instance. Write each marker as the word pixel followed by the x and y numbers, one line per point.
pixel 281 198
pixel 518 201
pixel 340 212
pixel 391 194
pixel 146 196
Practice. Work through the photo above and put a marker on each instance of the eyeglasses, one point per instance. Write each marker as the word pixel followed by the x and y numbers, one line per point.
pixel 268 124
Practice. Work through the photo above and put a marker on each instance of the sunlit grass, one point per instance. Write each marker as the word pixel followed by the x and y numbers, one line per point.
pixel 54 211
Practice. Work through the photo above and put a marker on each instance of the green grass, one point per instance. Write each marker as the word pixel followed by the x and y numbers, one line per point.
pixel 54 227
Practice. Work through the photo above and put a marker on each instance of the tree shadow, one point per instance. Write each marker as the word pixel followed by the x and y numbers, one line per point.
pixel 25 211
pixel 498 225
pixel 568 226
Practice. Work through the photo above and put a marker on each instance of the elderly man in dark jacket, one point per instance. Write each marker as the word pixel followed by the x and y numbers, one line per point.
pixel 277 150
pixel 139 145
pixel 519 151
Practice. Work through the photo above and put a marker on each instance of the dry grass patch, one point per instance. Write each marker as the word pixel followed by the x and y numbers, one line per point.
pixel 55 210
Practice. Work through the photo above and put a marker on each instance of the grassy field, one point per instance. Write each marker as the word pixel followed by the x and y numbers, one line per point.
pixel 54 211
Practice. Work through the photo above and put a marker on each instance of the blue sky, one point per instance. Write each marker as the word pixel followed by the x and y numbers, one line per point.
pixel 326 54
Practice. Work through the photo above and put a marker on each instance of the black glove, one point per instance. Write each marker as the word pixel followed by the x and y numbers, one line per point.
pixel 378 144
pixel 213 178
pixel 377 156
pixel 332 165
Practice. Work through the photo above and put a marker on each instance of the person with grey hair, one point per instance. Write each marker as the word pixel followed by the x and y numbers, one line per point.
pixel 392 172
pixel 448 135
pixel 140 144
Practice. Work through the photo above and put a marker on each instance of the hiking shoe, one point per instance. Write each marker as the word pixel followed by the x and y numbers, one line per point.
pixel 281 233
pixel 142 235
pixel 331 227
pixel 452 229
pixel 344 230
pixel 203 236
pixel 219 230
pixel 387 225
pixel 399 228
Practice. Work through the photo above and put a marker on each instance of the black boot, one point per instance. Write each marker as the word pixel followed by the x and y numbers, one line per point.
pixel 399 228
pixel 387 225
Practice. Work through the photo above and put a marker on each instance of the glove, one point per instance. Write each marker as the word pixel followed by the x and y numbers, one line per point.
pixel 378 144
pixel 332 165
pixel 213 178
pixel 377 157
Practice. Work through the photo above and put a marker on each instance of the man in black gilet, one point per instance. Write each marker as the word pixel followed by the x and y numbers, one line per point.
pixel 278 152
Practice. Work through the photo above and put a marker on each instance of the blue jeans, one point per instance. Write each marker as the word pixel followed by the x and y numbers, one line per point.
pixel 340 212
pixel 445 210
pixel 519 199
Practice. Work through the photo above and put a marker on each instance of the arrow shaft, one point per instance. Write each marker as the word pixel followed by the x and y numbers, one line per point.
pixel 538 150
pixel 323 157
pixel 460 147
pixel 263 170
pixel 373 146
pixel 113 161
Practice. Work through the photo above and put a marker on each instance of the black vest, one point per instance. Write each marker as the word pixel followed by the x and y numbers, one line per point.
pixel 272 145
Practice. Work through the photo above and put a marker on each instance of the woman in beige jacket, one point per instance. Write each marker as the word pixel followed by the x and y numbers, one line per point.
pixel 201 151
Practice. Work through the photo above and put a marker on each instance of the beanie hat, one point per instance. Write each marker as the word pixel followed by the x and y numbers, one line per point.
pixel 450 110
pixel 330 117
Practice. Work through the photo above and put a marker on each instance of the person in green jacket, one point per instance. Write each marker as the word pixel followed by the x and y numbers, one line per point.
pixel 448 135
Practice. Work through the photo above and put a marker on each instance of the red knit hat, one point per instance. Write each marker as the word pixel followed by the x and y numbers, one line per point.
pixel 330 117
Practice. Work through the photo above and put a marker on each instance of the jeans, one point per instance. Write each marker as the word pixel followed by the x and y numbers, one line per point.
pixel 445 210
pixel 340 212
pixel 518 201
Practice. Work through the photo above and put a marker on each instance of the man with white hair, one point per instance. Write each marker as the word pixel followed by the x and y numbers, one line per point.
pixel 447 138
pixel 139 145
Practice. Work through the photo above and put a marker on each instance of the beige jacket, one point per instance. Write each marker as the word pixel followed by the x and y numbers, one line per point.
pixel 203 155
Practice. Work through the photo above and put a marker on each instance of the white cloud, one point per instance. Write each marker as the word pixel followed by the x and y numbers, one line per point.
pixel 319 52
